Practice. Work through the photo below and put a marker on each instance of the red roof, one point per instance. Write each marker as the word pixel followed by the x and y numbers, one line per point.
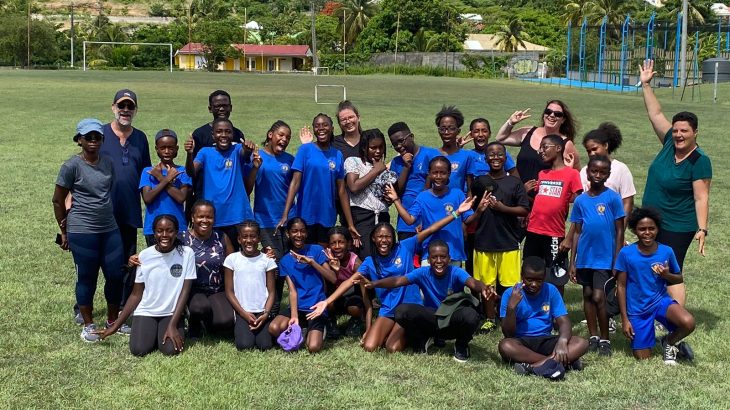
pixel 255 49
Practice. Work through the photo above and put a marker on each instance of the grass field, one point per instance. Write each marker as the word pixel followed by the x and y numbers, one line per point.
pixel 44 364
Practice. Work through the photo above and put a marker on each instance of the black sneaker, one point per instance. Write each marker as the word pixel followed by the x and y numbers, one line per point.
pixel 685 351
pixel 593 344
pixel 440 343
pixel 576 366
pixel 354 327
pixel 604 348
pixel 423 348
pixel 669 352
pixel 523 369
pixel 461 353
pixel 333 332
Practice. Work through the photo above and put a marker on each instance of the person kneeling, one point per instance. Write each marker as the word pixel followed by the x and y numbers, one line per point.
pixel 445 314
pixel 528 311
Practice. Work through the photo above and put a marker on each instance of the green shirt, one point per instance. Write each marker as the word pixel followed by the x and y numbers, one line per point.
pixel 669 186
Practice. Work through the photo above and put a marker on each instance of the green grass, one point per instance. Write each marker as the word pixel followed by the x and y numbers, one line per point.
pixel 43 363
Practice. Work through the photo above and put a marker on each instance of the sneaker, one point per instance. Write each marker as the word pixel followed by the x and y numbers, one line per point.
pixel 685 351
pixel 604 348
pixel 461 353
pixel 577 365
pixel 488 326
pixel 669 352
pixel 523 369
pixel 331 330
pixel 125 329
pixel 612 325
pixel 88 333
pixel 593 344
pixel 79 319
pixel 354 327
pixel 584 322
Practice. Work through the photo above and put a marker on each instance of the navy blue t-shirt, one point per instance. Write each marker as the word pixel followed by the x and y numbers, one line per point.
pixel 436 289
pixel 398 263
pixel 416 181
pixel 308 282
pixel 128 161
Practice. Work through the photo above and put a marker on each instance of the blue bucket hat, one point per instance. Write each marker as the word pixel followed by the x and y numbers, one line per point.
pixel 86 126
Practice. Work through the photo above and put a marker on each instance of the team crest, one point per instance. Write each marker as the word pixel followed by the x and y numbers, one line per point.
pixel 454 166
pixel 176 270
pixel 398 262
pixel 601 209
pixel 546 307
pixel 449 208
pixel 657 267
pixel 285 168
pixel 332 165
pixel 228 163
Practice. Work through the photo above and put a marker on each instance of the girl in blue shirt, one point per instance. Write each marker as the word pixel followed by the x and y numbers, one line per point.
pixel 463 167
pixel 390 258
pixel 318 181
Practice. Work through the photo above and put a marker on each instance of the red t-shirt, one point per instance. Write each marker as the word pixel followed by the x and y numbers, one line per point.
pixel 554 189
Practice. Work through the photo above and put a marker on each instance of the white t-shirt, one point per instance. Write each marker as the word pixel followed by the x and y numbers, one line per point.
pixel 370 197
pixel 620 181
pixel 249 279
pixel 163 275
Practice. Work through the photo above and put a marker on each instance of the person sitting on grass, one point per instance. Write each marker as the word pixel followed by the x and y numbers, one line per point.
pixel 529 310
pixel 161 287
pixel 643 271
pixel 438 281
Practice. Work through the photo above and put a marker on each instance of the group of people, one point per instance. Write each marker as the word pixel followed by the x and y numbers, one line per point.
pixel 480 239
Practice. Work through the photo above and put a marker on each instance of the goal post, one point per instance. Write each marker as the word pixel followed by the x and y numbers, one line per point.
pixel 324 87
pixel 322 71
pixel 169 45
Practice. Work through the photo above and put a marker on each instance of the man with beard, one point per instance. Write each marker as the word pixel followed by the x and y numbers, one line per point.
pixel 129 151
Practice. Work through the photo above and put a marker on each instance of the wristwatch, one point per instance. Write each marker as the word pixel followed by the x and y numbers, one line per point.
pixel 703 230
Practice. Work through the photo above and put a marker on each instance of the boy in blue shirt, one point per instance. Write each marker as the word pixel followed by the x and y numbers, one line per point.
pixel 643 271
pixel 411 165
pixel 223 182
pixel 598 235
pixel 528 311
pixel 437 282
pixel 165 186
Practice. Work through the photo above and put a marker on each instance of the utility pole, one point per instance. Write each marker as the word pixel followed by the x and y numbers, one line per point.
pixel 344 40
pixel 315 57
pixel 73 33
pixel 683 51
pixel 245 35
pixel 28 61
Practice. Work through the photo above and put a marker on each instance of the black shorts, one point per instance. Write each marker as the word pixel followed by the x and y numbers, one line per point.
pixel 544 247
pixel 352 297
pixel 316 233
pixel 593 278
pixel 276 240
pixel 544 345
pixel 316 324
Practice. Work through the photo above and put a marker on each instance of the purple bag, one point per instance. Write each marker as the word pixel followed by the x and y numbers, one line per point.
pixel 291 338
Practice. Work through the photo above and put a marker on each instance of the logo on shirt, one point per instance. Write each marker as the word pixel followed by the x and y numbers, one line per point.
pixel 551 188
pixel 398 262
pixel 284 168
pixel 546 307
pixel 420 166
pixel 332 165
pixel 657 267
pixel 454 166
pixel 601 209
pixel 228 163
pixel 448 207
pixel 176 270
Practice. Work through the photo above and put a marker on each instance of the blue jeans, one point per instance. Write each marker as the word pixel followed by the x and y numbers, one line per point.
pixel 93 251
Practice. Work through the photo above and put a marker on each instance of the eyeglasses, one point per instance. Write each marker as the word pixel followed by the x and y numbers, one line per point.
pixel 217 107
pixel 351 118
pixel 545 147
pixel 448 129
pixel 403 140
pixel 126 105
pixel 557 114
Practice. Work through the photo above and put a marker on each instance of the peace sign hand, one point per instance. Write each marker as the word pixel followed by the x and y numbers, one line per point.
pixel 256 158
pixel 301 258
pixel 462 141
pixel 518 116
pixel 333 262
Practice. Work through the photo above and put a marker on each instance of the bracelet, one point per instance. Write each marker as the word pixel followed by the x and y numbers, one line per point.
pixel 703 230
pixel 455 215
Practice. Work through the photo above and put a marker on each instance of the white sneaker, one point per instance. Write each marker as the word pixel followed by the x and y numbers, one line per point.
pixel 88 333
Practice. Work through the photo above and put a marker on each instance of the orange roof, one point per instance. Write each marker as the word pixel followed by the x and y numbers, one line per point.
pixel 259 49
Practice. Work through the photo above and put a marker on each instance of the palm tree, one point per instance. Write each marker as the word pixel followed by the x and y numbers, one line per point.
pixel 510 36
pixel 424 40
pixel 356 14
pixel 696 13
pixel 575 10
pixel 615 10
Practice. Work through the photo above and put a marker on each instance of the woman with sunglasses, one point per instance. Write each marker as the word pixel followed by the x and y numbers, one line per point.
pixel 88 229
pixel 556 119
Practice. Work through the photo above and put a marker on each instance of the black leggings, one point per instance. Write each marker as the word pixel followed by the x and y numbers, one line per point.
pixel 147 333
pixel 129 248
pixel 215 311
pixel 248 339
pixel 678 241
pixel 420 323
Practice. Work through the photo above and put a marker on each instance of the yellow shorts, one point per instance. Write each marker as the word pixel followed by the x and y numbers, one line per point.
pixel 488 266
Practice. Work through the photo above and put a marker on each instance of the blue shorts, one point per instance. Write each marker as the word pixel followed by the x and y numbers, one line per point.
pixel 644 335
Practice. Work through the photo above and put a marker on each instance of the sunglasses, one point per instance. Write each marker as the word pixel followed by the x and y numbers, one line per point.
pixel 126 105
pixel 557 114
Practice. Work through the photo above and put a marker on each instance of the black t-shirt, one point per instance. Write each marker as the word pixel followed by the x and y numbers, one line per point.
pixel 203 137
pixel 497 231
pixel 346 149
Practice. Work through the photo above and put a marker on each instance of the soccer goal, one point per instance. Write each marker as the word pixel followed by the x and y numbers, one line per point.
pixel 321 70
pixel 169 45
pixel 329 93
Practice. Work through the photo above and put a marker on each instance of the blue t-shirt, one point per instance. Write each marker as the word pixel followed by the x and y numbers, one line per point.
pixel 164 203
pixel 318 190
pixel 535 314
pixel 644 288
pixel 128 162
pixel 416 181
pixel 430 208
pixel 308 282
pixel 462 165
pixel 398 263
pixel 223 184
pixel 272 186
pixel 436 289
pixel 597 216
pixel 483 168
